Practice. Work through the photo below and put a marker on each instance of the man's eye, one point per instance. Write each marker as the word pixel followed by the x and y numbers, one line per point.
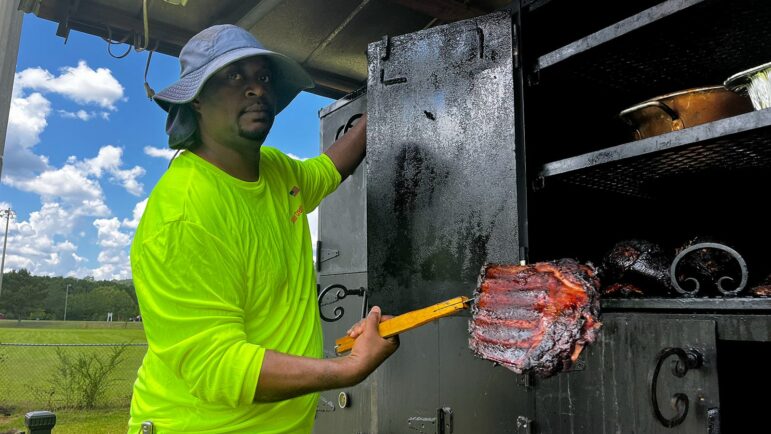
pixel 234 76
pixel 265 78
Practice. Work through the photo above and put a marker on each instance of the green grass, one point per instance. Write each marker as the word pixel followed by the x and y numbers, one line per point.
pixel 110 421
pixel 26 372
pixel 30 324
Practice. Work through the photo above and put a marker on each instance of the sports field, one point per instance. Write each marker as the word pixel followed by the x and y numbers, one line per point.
pixel 27 373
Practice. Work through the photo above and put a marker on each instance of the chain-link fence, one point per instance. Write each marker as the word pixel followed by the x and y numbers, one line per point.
pixel 55 376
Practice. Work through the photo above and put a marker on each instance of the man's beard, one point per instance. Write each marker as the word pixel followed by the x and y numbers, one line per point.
pixel 257 136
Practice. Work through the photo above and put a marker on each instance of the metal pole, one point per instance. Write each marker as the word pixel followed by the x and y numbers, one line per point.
pixel 66 295
pixel 8 213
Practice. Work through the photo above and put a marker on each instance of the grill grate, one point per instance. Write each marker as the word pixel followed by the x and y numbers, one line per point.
pixel 701 45
pixel 643 168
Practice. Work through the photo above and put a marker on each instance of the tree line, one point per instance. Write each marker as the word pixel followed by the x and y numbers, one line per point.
pixel 25 296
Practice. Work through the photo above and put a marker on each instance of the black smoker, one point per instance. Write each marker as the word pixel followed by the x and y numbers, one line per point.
pixel 495 140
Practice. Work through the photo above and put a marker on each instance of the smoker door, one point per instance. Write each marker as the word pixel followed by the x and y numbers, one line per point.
pixel 441 201
pixel 442 174
pixel 610 389
pixel 341 260
pixel 342 214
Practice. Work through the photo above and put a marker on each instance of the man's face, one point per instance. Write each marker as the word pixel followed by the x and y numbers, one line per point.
pixel 238 101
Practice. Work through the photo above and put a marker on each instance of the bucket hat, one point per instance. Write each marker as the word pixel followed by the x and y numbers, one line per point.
pixel 206 53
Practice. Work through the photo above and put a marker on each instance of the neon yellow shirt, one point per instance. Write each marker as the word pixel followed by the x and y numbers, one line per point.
pixel 223 271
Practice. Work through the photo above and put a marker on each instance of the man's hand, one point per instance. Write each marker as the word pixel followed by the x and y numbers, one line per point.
pixel 370 350
pixel 358 328
pixel 348 151
pixel 284 376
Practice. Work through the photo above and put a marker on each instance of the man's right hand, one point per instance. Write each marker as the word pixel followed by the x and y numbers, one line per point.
pixel 370 349
pixel 285 376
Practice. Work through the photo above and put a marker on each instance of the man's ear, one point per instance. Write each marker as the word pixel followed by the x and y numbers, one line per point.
pixel 196 105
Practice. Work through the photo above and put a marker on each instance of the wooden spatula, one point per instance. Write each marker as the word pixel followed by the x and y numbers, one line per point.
pixel 409 321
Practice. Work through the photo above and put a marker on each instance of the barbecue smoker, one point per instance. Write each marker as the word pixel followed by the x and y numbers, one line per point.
pixel 497 139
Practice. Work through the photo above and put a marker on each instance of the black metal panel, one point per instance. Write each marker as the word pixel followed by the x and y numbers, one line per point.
pixel 442 196
pixel 686 304
pixel 407 383
pixel 357 416
pixel 484 398
pixel 342 221
pixel 612 391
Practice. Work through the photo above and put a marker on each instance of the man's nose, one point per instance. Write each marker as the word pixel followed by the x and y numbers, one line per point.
pixel 256 88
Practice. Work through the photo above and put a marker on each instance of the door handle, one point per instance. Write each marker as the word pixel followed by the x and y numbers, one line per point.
pixel 688 359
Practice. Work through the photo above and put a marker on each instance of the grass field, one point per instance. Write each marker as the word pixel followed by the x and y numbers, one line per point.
pixel 27 372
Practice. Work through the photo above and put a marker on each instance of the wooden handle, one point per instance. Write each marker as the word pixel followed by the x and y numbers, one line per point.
pixel 409 321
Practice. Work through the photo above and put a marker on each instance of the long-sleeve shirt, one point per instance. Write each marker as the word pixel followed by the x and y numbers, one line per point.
pixel 223 271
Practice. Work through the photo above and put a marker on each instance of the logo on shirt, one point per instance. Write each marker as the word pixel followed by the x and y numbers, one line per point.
pixel 294 191
pixel 297 214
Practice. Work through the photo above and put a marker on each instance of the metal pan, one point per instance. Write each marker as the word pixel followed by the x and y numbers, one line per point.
pixel 684 109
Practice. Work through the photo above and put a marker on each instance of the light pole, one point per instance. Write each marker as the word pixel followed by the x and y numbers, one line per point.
pixel 66 295
pixel 7 213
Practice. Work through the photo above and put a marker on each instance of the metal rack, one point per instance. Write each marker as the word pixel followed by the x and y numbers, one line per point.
pixel 740 142
pixel 685 43
pixel 686 304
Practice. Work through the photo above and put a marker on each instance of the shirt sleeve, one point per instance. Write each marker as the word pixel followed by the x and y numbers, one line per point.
pixel 318 177
pixel 191 293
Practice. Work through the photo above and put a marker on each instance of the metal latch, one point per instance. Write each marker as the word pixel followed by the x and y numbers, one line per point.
pixel 524 425
pixel 441 424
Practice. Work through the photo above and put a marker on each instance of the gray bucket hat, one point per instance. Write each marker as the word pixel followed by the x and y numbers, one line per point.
pixel 206 53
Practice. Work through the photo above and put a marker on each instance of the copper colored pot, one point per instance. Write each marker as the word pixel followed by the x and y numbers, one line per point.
pixel 684 109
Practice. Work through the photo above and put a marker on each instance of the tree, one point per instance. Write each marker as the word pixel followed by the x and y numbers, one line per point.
pixel 95 304
pixel 22 293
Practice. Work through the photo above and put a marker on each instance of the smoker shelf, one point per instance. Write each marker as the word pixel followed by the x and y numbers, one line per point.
pixel 675 45
pixel 636 168
pixel 691 304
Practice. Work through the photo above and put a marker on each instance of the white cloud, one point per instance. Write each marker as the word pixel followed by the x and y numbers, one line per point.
pixel 80 114
pixel 139 209
pixel 68 183
pixel 80 84
pixel 26 121
pixel 128 179
pixel 113 259
pixel 69 195
pixel 72 193
pixel 293 156
pixel 37 244
pixel 110 159
pixel 28 114
pixel 109 234
pixel 164 153
pixel 313 224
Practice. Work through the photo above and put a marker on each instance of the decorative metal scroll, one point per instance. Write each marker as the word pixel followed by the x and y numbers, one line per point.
pixel 688 359
pixel 342 292
pixel 697 285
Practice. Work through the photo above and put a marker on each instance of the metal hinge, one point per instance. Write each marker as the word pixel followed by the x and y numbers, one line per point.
pixel 441 424
pixel 324 405
pixel 323 255
pixel 327 254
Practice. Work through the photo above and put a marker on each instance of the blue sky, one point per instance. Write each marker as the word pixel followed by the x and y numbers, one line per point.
pixel 85 146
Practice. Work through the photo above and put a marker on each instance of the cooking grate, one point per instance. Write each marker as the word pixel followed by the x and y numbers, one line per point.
pixel 640 168
pixel 699 45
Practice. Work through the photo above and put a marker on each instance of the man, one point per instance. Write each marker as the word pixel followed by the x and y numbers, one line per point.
pixel 222 258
